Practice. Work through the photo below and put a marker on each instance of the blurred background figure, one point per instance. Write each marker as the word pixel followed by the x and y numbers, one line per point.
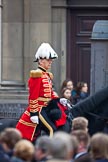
pixel 80 92
pixel 42 149
pixel 83 143
pixel 23 151
pixel 64 146
pixel 86 158
pixel 99 147
pixel 7 123
pixel 80 123
pixel 8 138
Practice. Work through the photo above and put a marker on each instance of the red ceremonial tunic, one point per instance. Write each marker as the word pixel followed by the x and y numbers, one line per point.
pixel 40 92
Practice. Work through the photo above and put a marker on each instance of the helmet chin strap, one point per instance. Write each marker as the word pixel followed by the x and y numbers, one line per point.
pixel 43 69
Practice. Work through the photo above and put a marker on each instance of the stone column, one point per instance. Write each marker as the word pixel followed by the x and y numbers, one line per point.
pixel 12 74
pixel 99 56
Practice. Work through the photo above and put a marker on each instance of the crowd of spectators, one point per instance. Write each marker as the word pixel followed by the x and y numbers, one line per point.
pixel 74 93
pixel 77 146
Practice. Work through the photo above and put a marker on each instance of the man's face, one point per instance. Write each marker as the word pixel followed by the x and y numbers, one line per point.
pixel 45 63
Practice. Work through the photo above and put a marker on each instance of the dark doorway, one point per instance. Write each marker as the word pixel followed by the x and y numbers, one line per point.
pixel 80 22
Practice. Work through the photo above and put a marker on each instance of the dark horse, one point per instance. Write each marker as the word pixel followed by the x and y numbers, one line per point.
pixel 95 109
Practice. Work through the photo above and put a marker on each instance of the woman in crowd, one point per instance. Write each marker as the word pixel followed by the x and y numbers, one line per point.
pixel 66 93
pixel 81 92
pixel 68 83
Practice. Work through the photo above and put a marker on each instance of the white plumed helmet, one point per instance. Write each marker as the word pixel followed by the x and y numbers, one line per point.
pixel 45 51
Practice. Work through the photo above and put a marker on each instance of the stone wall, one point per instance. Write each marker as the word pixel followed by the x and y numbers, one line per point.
pixel 25 25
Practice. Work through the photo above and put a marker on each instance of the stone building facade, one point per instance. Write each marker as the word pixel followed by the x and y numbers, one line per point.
pixel 65 24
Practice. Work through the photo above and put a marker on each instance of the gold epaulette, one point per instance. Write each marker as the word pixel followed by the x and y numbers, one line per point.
pixel 50 75
pixel 35 74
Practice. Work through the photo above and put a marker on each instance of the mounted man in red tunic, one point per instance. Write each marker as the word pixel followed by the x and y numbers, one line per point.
pixel 40 93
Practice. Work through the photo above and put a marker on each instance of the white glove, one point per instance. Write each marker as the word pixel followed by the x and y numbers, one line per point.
pixel 63 101
pixel 34 119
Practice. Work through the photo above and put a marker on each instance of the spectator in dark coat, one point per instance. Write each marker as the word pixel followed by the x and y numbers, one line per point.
pixel 83 139
pixel 86 158
pixel 3 156
pixel 99 147
pixel 81 92
pixel 64 147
